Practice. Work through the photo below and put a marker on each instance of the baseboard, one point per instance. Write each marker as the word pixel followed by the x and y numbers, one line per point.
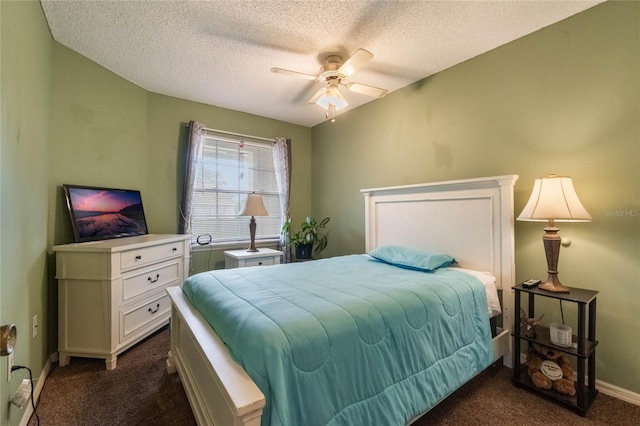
pixel 617 392
pixel 26 416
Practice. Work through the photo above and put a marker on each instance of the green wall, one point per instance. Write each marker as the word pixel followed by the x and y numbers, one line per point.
pixel 26 68
pixel 98 133
pixel 563 100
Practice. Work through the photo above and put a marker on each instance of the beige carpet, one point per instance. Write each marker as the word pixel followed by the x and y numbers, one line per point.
pixel 140 392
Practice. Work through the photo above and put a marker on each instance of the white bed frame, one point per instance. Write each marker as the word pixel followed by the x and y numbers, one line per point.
pixel 470 219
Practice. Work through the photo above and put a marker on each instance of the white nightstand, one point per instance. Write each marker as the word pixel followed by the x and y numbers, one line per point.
pixel 244 258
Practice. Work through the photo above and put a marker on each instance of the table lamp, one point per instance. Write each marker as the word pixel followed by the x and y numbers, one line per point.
pixel 553 199
pixel 253 207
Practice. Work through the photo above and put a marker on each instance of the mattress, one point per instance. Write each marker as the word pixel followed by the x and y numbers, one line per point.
pixel 348 340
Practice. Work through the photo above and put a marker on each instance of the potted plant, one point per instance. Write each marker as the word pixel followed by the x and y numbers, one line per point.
pixel 308 237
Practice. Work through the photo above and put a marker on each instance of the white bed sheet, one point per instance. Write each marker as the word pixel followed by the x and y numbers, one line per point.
pixel 489 281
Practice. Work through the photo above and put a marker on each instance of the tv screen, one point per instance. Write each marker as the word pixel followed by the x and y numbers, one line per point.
pixel 103 213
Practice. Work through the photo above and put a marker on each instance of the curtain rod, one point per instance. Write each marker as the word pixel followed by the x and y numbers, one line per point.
pixel 237 134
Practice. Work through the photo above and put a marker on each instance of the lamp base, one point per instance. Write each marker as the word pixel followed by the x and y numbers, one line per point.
pixel 555 288
pixel 551 241
pixel 252 232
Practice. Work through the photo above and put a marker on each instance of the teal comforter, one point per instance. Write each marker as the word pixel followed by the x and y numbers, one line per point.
pixel 348 340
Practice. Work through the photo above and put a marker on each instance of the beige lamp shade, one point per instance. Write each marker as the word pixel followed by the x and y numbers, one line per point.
pixel 254 206
pixel 554 198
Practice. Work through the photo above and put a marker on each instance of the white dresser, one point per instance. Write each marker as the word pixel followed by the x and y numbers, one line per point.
pixel 244 258
pixel 111 293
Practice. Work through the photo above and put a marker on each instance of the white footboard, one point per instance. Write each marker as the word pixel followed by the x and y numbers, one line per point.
pixel 219 390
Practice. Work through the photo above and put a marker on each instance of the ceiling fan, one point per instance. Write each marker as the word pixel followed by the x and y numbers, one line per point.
pixel 334 73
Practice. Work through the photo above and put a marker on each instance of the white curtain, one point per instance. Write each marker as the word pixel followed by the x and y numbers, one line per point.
pixel 282 165
pixel 194 151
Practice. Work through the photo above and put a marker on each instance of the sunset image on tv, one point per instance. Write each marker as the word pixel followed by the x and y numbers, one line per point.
pixel 99 213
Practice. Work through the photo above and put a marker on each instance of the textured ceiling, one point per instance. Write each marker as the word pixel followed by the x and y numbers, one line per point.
pixel 221 52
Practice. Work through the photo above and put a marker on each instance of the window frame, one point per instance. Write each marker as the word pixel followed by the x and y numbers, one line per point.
pixel 211 185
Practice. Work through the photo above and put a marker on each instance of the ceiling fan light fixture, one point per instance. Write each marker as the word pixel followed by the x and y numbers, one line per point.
pixel 332 96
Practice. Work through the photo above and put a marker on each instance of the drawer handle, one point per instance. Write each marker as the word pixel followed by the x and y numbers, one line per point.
pixel 138 257
pixel 259 263
pixel 174 249
pixel 153 311
pixel 151 280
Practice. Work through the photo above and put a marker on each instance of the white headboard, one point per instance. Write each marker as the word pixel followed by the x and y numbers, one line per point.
pixel 471 220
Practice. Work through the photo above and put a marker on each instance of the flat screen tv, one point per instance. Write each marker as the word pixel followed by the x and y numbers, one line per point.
pixel 104 213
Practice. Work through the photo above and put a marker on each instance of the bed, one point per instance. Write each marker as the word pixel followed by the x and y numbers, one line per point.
pixel 470 219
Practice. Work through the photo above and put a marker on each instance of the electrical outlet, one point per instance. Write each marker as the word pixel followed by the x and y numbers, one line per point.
pixel 9 366
pixel 34 329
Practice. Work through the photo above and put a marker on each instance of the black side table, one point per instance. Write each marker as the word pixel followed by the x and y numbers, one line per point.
pixel 584 349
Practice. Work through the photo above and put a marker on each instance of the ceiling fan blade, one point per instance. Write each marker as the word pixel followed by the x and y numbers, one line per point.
pixel 363 89
pixel 317 96
pixel 354 63
pixel 294 73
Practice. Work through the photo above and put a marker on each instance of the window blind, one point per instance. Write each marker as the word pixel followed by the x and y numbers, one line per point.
pixel 227 170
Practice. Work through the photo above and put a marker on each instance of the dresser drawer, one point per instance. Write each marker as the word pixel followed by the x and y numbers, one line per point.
pixel 148 255
pixel 149 279
pixel 259 261
pixel 136 318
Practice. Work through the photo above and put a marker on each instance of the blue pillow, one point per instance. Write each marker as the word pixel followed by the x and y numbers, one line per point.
pixel 411 259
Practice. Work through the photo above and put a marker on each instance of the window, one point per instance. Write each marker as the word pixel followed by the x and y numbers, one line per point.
pixel 225 173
